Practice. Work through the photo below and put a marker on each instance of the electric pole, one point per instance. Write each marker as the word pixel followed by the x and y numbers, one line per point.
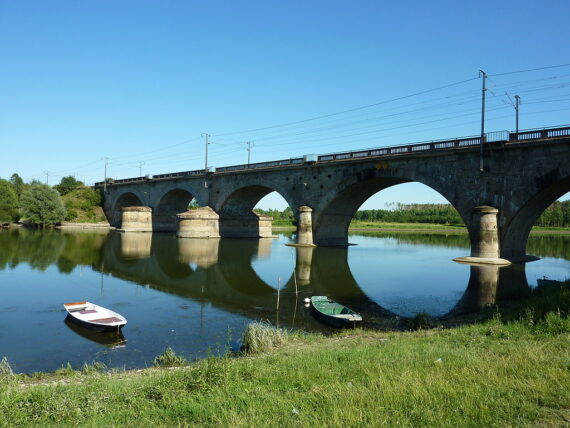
pixel 249 144
pixel 47 177
pixel 516 105
pixel 206 135
pixel 206 160
pixel 106 159
pixel 140 168
pixel 484 76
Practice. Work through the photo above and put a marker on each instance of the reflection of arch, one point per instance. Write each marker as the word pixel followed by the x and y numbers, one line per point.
pixel 332 222
pixel 127 199
pixel 515 233
pixel 165 251
pixel 237 270
pixel 331 276
pixel 173 202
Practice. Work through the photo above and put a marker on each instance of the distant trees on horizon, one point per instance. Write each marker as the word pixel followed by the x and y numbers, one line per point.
pixel 556 215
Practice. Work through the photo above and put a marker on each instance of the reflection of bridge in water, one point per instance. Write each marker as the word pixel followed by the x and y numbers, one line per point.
pixel 221 272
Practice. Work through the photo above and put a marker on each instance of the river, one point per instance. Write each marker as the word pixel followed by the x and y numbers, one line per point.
pixel 196 296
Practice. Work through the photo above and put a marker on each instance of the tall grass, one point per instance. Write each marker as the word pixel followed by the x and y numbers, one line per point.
pixel 169 358
pixel 260 337
pixel 6 373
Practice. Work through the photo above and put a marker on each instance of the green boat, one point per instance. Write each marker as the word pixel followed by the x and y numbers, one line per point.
pixel 334 313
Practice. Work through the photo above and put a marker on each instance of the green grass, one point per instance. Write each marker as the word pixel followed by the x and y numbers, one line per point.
pixel 495 374
pixel 455 228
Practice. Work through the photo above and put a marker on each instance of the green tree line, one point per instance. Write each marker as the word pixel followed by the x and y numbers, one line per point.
pixel 556 215
pixel 36 203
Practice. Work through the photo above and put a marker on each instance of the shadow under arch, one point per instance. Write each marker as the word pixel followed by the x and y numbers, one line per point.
pixel 127 199
pixel 330 225
pixel 237 218
pixel 515 233
pixel 174 201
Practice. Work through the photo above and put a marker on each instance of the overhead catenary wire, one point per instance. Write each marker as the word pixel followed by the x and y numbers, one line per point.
pixel 358 122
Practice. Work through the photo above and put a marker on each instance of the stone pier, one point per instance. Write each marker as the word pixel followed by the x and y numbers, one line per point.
pixel 202 222
pixel 136 219
pixel 305 227
pixel 252 225
pixel 484 237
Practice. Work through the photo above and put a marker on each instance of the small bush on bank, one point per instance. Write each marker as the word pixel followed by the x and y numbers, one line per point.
pixel 169 359
pixel 421 321
pixel 6 372
pixel 260 337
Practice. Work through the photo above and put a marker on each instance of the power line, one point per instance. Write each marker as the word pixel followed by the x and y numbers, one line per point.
pixel 530 69
pixel 349 110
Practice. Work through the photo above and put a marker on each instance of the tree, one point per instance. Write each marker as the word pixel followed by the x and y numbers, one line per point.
pixel 81 204
pixel 67 184
pixel 18 184
pixel 42 205
pixel 8 202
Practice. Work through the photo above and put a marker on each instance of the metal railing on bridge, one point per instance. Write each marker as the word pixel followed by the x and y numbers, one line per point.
pixel 438 145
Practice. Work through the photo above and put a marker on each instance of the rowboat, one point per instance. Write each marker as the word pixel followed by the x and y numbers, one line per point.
pixel 94 316
pixel 334 313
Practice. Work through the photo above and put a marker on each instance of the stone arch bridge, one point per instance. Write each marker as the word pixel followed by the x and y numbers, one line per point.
pixel 523 173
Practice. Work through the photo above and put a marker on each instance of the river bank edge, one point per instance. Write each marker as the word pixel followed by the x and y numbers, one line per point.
pixel 380 227
pixel 510 370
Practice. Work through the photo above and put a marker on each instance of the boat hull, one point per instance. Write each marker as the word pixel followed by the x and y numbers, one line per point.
pixel 334 314
pixel 334 321
pixel 94 327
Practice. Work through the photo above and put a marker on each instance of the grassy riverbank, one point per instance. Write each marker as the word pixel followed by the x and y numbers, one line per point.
pixel 452 228
pixel 512 370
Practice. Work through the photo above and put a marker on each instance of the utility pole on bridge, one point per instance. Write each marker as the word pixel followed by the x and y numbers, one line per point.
pixel 206 135
pixel 516 105
pixel 106 159
pixel 484 76
pixel 249 144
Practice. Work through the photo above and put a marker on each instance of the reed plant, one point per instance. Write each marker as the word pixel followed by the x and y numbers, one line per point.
pixel 261 336
pixel 169 358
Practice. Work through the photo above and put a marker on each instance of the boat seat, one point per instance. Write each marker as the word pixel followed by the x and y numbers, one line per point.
pixel 107 320
pixel 88 311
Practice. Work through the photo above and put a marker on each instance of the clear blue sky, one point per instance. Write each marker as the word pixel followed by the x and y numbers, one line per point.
pixel 139 81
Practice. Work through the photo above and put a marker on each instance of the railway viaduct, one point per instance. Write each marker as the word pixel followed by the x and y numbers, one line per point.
pixel 499 188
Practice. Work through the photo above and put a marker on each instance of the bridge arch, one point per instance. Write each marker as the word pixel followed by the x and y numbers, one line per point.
pixel 331 222
pixel 129 198
pixel 515 232
pixel 237 218
pixel 167 205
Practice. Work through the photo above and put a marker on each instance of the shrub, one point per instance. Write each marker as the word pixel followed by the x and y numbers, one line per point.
pixel 42 205
pixel 169 359
pixel 259 337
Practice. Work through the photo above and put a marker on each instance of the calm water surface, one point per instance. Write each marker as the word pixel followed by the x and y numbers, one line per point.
pixel 196 296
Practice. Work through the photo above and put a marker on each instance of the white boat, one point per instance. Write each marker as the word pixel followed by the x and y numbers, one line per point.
pixel 94 316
